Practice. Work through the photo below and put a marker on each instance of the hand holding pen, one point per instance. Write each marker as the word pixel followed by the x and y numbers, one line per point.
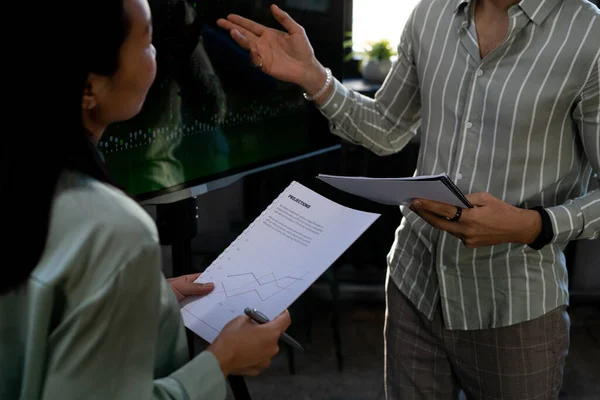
pixel 246 348
pixel 262 319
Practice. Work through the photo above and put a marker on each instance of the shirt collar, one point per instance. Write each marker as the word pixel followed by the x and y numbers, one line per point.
pixel 536 10
pixel 460 4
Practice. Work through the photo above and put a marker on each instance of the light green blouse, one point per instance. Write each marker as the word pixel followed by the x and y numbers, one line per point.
pixel 97 319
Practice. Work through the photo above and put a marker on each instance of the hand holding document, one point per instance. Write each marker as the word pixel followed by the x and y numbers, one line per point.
pixel 401 191
pixel 275 259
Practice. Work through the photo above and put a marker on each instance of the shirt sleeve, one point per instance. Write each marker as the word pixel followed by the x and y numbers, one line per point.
pixel 387 123
pixel 106 347
pixel 580 218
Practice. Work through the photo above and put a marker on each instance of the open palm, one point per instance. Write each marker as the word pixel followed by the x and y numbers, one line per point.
pixel 286 56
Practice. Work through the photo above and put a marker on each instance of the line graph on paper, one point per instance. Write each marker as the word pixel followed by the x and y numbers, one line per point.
pixel 257 279
pixel 254 272
pixel 264 287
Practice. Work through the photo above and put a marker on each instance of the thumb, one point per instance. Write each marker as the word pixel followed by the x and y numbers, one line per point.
pixel 479 199
pixel 282 321
pixel 195 289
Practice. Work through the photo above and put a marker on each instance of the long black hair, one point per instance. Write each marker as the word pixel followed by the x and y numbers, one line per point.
pixel 51 56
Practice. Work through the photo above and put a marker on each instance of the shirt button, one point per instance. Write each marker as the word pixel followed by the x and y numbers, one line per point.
pixel 469 125
pixel 335 105
pixel 459 176
pixel 479 72
pixel 443 268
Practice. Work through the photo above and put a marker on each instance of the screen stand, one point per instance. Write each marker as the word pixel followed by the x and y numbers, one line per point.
pixel 177 227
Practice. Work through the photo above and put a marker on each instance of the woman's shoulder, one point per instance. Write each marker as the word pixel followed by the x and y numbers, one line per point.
pixel 81 200
pixel 95 222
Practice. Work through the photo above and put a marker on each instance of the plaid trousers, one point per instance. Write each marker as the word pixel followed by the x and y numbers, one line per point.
pixel 424 360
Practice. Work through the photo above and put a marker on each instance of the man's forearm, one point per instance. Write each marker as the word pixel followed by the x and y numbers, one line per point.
pixel 384 124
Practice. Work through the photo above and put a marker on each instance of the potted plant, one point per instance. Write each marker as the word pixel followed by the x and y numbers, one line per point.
pixel 377 61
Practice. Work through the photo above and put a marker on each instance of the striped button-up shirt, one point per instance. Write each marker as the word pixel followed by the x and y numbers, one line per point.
pixel 522 124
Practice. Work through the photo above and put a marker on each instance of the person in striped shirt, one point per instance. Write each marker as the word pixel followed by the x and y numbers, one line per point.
pixel 505 98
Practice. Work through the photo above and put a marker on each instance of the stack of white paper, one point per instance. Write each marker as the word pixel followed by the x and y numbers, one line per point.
pixel 400 191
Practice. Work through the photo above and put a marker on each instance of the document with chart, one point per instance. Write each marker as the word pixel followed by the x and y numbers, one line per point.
pixel 275 259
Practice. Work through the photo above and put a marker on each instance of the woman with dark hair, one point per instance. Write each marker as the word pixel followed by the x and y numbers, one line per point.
pixel 85 311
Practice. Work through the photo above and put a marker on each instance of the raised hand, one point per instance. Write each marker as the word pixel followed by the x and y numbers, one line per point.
pixel 286 56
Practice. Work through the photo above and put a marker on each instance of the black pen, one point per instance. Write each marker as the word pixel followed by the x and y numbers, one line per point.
pixel 262 319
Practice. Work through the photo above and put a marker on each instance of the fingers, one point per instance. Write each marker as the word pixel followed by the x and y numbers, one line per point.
pixel 225 24
pixel 191 277
pixel 285 20
pixel 242 319
pixel 441 209
pixel 251 26
pixel 246 40
pixel 180 296
pixel 479 199
pixel 256 369
pixel 264 365
pixel 439 222
pixel 241 39
pixel 242 36
pixel 252 371
pixel 195 289
pixel 256 59
pixel 246 44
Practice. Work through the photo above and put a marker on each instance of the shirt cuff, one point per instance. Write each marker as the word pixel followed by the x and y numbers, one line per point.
pixel 566 222
pixel 336 101
pixel 202 378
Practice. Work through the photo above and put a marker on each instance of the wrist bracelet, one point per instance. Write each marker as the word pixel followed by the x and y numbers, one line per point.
pixel 324 89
